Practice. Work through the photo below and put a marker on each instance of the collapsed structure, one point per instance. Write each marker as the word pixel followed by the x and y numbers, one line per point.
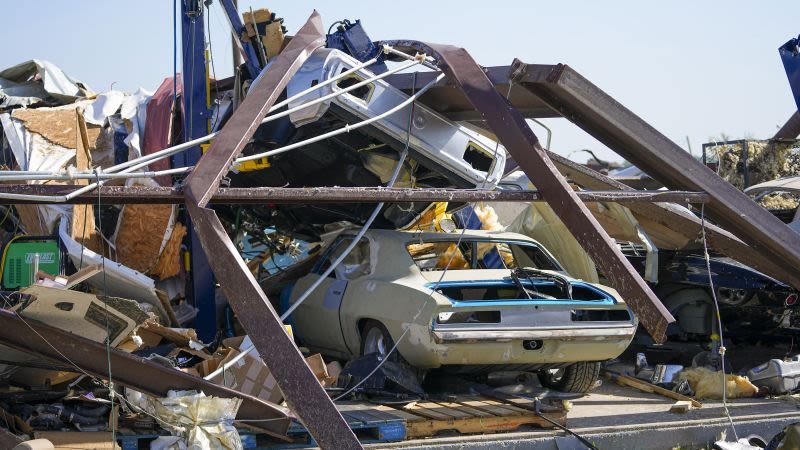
pixel 315 134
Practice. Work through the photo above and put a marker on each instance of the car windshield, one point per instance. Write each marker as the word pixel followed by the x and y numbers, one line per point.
pixel 479 254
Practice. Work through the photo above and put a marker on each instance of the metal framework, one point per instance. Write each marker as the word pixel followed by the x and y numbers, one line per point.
pixel 633 133
pixel 600 115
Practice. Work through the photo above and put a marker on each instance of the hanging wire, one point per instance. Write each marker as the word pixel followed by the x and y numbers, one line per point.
pixel 108 316
pixel 719 320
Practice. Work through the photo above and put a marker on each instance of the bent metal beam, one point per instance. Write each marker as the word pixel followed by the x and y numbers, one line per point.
pixel 586 105
pixel 510 127
pixel 260 195
pixel 300 387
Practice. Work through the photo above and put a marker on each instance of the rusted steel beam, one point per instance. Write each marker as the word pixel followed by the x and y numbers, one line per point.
pixel 663 213
pixel 129 370
pixel 597 113
pixel 260 195
pixel 681 221
pixel 300 387
pixel 520 141
pixel 791 129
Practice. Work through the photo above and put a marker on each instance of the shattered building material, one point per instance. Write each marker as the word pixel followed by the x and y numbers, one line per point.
pixel 202 422
pixel 129 370
pixel 708 384
pixel 746 162
pixel 93 317
pixel 143 232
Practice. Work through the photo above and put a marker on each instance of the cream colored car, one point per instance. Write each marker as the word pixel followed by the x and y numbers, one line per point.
pixel 504 303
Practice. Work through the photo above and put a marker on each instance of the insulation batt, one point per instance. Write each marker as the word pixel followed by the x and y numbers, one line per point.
pixel 708 384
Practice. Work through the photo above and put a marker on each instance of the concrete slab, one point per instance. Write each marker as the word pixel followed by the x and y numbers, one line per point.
pixel 615 417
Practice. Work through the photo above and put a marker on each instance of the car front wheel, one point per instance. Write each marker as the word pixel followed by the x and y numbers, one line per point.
pixel 578 377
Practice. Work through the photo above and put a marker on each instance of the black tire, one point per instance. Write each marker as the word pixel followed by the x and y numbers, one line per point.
pixel 578 377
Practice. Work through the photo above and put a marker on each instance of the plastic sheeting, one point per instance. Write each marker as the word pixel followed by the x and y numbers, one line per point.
pixel 204 423
pixel 37 82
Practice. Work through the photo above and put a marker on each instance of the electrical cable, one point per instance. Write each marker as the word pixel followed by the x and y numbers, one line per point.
pixel 721 350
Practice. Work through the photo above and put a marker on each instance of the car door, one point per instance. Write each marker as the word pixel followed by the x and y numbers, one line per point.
pixel 316 321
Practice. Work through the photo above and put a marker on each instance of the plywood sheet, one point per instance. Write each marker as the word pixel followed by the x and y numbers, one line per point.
pixel 169 262
pixel 58 126
pixel 140 235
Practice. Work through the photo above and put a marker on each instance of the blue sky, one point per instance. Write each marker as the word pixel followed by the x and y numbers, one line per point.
pixel 690 68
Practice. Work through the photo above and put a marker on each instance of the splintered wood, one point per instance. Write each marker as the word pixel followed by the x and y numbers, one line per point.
pixel 82 227
pixel 169 263
pixel 140 235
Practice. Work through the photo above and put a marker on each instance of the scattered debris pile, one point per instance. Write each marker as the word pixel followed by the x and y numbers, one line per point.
pixel 131 318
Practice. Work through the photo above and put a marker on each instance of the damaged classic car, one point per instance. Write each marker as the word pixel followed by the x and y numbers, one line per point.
pixel 467 301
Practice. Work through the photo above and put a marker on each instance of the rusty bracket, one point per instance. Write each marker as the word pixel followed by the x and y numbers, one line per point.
pixel 520 141
pixel 130 370
pixel 300 387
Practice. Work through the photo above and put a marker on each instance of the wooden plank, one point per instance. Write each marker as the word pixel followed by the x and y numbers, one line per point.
pixel 467 409
pixel 398 413
pixel 426 428
pixel 425 412
pixel 490 406
pixel 433 406
pixel 507 406
pixel 369 412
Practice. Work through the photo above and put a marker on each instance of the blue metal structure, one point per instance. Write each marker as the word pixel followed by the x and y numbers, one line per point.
pixel 790 55
pixel 196 117
pixel 351 38
pixel 238 29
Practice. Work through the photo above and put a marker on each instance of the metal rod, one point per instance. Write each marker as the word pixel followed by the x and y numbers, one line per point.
pixel 281 195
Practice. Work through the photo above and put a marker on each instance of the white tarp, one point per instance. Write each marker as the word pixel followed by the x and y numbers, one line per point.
pixel 37 81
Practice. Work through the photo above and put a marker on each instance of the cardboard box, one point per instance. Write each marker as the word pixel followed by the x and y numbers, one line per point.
pixel 250 375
